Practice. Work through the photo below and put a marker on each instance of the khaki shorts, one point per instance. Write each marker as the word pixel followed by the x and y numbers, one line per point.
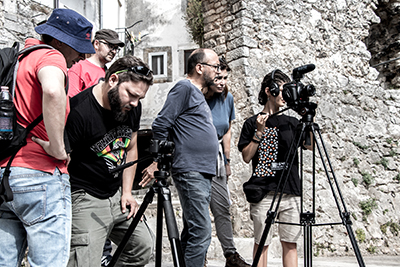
pixel 288 211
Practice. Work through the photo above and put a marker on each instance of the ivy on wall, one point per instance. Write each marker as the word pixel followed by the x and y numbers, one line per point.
pixel 195 21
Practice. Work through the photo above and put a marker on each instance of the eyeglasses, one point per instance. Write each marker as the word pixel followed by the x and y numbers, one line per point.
pixel 141 70
pixel 111 47
pixel 217 67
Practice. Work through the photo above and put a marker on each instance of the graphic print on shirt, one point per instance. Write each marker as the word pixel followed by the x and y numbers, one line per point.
pixel 112 147
pixel 267 153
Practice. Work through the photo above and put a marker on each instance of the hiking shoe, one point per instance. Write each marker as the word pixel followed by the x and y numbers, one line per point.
pixel 105 260
pixel 235 260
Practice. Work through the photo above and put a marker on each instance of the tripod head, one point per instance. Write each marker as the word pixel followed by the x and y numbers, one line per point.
pixel 162 152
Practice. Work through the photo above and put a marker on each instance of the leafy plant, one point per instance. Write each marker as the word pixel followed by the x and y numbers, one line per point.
pixel 371 249
pixel 368 205
pixel 397 177
pixel 355 181
pixel 360 235
pixel 356 162
pixel 392 153
pixel 195 21
pixel 384 162
pixel 394 227
pixel 359 145
pixel 367 178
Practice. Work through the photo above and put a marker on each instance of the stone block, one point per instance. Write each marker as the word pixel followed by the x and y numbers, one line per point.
pixel 238 53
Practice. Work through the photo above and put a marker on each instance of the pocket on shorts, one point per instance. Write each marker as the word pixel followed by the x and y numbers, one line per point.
pixel 80 249
pixel 29 203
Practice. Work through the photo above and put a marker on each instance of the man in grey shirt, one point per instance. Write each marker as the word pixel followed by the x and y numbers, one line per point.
pixel 187 120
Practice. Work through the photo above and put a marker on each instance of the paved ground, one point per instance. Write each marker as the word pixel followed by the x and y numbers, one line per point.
pixel 370 261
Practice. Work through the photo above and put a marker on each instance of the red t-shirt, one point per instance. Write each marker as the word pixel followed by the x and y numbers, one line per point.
pixel 28 102
pixel 83 75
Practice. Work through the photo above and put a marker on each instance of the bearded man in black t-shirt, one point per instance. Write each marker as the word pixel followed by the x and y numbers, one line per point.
pixel 102 131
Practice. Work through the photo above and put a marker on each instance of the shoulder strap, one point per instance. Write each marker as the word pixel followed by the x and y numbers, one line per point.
pixel 5 189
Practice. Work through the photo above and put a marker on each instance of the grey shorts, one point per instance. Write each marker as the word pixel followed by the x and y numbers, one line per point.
pixel 288 211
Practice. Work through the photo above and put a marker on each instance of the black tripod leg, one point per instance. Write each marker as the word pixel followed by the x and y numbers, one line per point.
pixel 172 229
pixel 344 214
pixel 159 230
pixel 270 218
pixel 147 200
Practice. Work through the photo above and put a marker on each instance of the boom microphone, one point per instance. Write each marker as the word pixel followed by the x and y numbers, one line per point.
pixel 299 71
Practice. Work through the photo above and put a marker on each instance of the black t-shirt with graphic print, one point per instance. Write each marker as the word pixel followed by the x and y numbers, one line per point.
pixel 269 160
pixel 98 144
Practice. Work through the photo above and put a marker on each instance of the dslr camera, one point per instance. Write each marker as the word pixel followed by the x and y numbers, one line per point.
pixel 296 94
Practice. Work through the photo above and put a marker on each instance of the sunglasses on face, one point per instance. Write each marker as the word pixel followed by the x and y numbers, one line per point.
pixel 111 47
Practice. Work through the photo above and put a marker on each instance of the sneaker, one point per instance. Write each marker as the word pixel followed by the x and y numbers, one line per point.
pixel 205 261
pixel 235 260
pixel 105 260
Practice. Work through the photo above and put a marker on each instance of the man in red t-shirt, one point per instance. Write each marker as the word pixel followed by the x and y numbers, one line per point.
pixel 87 72
pixel 39 216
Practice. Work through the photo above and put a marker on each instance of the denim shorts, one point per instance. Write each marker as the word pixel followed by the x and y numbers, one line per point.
pixel 39 216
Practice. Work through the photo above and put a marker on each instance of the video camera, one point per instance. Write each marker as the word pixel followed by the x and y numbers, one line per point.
pixel 296 94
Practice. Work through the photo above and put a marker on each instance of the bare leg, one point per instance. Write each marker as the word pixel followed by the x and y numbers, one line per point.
pixel 263 258
pixel 289 254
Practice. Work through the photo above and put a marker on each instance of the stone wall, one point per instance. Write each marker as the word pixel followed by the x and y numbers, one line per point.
pixel 359 119
pixel 384 45
pixel 18 20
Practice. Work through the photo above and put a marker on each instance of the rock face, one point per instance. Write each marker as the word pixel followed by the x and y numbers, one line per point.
pixel 358 118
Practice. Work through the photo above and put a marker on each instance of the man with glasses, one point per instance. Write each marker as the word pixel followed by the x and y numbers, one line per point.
pixel 102 131
pixel 186 119
pixel 88 72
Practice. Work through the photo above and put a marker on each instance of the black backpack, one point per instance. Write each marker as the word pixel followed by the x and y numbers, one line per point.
pixel 9 61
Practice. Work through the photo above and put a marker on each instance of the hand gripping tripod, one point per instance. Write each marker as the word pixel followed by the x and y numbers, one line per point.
pixel 160 187
pixel 305 130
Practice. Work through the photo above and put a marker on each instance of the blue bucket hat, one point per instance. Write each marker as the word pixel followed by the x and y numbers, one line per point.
pixel 71 28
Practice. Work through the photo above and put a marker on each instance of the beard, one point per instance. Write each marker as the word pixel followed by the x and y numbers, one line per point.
pixel 115 105
pixel 208 80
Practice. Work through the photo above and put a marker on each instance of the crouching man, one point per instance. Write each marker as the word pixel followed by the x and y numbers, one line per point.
pixel 102 131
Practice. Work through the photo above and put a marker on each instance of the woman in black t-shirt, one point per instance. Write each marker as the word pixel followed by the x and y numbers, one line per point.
pixel 265 140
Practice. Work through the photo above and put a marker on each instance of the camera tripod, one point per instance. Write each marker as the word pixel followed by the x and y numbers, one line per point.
pixel 160 187
pixel 308 131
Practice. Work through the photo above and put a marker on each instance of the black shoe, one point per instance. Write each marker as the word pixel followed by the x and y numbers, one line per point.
pixel 235 260
pixel 105 260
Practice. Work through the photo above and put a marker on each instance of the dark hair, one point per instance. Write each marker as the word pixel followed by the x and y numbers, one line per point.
pixel 124 63
pixel 195 58
pixel 224 66
pixel 279 77
pixel 47 38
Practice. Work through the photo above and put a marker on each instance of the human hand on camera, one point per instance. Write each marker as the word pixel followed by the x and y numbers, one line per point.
pixel 148 174
pixel 127 200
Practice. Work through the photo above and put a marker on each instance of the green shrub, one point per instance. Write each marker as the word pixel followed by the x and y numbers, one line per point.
pixel 355 181
pixel 356 162
pixel 368 205
pixel 360 235
pixel 195 21
pixel 367 178
pixel 359 145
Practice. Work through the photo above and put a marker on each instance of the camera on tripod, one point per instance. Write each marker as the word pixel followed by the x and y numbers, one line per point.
pixel 162 152
pixel 161 147
pixel 297 95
